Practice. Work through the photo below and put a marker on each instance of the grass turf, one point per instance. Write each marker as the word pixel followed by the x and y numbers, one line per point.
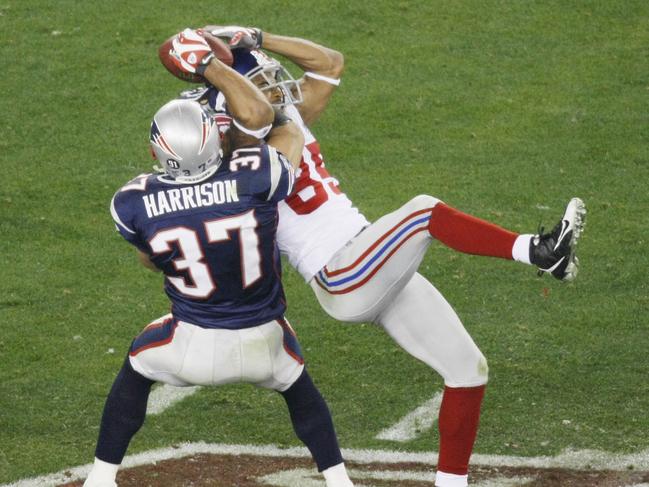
pixel 502 109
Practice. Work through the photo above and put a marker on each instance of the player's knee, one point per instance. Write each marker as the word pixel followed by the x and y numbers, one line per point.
pixel 483 368
pixel 472 371
pixel 306 405
pixel 422 202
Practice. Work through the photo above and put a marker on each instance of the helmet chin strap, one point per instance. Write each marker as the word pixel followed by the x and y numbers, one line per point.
pixel 199 177
pixel 168 178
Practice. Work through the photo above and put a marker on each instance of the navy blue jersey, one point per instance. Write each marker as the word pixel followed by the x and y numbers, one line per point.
pixel 215 239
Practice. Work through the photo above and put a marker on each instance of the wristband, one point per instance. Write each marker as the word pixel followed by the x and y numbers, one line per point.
pixel 259 134
pixel 320 77
pixel 205 62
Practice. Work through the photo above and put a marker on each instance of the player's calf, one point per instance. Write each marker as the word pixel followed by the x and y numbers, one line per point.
pixel 470 235
pixel 458 426
pixel 314 427
pixel 123 416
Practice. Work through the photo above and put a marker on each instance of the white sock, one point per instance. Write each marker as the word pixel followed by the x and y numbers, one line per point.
pixel 336 476
pixel 102 473
pixel 521 250
pixel 443 479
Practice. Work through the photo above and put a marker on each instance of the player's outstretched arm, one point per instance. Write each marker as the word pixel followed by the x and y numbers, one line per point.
pixel 287 138
pixel 308 55
pixel 323 68
pixel 249 108
pixel 246 103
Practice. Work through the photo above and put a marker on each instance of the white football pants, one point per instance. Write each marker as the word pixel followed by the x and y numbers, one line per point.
pixel 187 354
pixel 373 278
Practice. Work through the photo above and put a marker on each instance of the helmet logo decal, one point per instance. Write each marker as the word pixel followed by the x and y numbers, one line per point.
pixel 158 139
pixel 206 126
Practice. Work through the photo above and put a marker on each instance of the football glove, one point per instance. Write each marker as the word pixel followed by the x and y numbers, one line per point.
pixel 190 52
pixel 238 37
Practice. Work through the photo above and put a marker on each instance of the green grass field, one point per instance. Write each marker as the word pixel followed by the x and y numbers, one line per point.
pixel 503 109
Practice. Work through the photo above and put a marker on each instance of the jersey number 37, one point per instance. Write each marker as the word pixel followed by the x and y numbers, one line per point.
pixel 192 257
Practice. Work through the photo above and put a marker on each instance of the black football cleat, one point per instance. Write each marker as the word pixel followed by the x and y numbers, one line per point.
pixel 554 252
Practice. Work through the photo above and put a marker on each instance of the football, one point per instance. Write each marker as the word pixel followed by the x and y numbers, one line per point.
pixel 219 48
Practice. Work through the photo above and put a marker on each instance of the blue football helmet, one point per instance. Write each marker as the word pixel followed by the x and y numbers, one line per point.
pixel 268 75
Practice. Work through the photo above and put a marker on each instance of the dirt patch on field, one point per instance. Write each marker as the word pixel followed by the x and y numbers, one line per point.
pixel 254 471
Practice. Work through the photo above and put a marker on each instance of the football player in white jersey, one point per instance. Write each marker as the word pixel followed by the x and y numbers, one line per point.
pixel 367 272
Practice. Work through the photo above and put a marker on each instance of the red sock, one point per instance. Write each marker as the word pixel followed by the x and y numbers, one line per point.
pixel 468 234
pixel 459 416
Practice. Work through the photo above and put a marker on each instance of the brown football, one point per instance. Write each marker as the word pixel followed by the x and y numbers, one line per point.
pixel 219 48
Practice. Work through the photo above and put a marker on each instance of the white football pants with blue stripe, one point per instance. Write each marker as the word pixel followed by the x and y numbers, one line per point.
pixel 374 278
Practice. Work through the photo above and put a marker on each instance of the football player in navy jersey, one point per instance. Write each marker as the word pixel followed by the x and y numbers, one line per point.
pixel 207 221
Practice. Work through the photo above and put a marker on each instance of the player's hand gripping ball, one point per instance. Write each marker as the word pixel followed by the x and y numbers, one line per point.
pixel 237 37
pixel 187 54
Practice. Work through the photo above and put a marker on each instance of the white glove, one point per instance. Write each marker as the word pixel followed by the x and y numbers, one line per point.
pixel 190 52
pixel 236 36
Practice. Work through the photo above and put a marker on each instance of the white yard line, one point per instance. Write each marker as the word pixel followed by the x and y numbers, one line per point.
pixel 503 482
pixel 582 459
pixel 414 423
pixel 299 477
pixel 302 477
pixel 165 396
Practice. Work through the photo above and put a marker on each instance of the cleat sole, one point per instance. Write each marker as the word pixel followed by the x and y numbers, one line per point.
pixel 579 222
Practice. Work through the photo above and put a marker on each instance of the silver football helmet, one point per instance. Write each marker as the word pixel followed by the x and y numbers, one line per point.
pixel 186 141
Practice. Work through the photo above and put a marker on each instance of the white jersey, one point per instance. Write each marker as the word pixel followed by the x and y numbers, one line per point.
pixel 317 219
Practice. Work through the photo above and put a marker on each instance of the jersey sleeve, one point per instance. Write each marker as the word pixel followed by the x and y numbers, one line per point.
pixel 123 209
pixel 269 175
pixel 282 175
